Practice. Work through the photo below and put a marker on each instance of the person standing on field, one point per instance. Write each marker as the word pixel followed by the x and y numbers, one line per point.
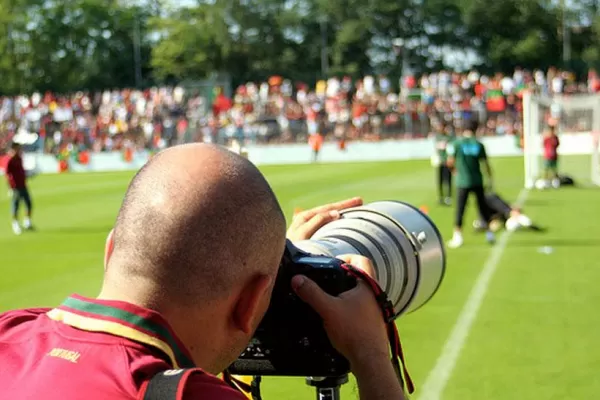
pixel 442 138
pixel 551 144
pixel 465 156
pixel 17 180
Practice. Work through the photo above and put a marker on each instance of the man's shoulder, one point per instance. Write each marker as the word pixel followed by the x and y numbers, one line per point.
pixel 455 142
pixel 22 314
pixel 15 161
pixel 12 321
pixel 472 141
pixel 203 385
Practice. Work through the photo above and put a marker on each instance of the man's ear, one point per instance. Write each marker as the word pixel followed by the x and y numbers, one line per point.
pixel 252 304
pixel 108 248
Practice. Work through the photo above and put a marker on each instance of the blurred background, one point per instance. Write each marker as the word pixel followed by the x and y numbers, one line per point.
pixel 100 76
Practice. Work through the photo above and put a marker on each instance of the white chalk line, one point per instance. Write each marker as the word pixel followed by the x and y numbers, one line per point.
pixel 439 376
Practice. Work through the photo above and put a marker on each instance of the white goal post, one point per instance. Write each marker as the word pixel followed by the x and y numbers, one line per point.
pixel 578 118
pixel 596 158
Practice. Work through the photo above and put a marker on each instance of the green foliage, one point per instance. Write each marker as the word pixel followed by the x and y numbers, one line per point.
pixel 67 46
pixel 91 44
pixel 514 32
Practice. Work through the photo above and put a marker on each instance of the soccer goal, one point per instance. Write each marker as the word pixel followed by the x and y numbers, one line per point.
pixel 578 119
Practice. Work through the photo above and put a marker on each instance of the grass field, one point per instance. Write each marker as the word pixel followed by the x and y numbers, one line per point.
pixel 534 337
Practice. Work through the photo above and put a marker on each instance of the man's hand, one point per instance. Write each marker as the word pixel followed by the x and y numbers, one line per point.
pixel 450 163
pixel 355 326
pixel 353 320
pixel 306 223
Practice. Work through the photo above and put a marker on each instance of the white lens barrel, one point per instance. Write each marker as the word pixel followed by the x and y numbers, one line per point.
pixel 431 255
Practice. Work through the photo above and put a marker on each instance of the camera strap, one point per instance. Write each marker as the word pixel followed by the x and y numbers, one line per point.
pixel 169 384
pixel 387 309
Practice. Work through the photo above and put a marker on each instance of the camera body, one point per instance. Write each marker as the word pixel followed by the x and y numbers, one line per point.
pixel 291 340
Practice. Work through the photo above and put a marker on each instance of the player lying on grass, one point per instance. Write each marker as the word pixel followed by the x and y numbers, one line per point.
pixel 503 214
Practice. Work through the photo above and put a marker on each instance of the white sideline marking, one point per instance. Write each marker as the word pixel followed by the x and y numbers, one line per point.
pixel 438 377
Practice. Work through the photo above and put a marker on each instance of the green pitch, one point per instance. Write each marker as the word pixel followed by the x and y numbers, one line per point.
pixel 535 335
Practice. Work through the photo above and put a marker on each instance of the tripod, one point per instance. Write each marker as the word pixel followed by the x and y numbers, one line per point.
pixel 327 388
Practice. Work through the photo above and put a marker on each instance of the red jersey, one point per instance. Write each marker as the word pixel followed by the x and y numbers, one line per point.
pixel 15 172
pixel 551 144
pixel 96 349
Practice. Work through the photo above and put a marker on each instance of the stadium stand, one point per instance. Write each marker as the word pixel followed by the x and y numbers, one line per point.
pixel 278 111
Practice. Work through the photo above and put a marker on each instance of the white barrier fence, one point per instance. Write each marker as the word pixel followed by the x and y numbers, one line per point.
pixel 417 149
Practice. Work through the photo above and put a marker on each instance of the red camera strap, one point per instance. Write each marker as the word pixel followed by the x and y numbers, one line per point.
pixel 387 308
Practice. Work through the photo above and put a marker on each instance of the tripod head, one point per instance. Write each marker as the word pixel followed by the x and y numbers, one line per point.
pixel 328 388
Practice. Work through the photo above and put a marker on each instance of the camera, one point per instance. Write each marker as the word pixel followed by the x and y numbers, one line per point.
pixel 408 254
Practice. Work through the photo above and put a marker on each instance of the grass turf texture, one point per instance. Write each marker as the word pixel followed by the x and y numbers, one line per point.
pixel 535 335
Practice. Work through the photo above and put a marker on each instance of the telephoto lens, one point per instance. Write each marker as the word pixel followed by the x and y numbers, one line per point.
pixel 405 246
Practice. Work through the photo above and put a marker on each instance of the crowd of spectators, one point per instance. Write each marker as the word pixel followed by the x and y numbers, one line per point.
pixel 279 111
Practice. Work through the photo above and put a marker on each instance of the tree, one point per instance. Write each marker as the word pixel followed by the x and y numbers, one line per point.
pixel 68 46
pixel 512 33
pixel 97 44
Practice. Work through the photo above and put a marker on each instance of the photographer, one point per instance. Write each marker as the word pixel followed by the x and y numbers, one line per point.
pixel 189 272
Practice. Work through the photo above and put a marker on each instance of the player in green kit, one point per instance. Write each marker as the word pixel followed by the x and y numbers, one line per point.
pixel 439 160
pixel 466 155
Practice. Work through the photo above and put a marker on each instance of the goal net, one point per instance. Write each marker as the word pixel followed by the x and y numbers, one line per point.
pixel 578 120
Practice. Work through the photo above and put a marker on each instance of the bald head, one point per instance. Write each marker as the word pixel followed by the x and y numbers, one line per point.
pixel 196 221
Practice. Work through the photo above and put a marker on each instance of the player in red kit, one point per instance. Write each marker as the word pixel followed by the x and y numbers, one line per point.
pixel 551 144
pixel 17 180
pixel 186 284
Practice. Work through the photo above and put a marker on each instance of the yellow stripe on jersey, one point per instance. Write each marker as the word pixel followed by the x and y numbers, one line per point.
pixel 100 325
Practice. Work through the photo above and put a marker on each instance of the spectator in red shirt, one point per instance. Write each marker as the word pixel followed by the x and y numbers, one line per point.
pixel 17 180
pixel 190 268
